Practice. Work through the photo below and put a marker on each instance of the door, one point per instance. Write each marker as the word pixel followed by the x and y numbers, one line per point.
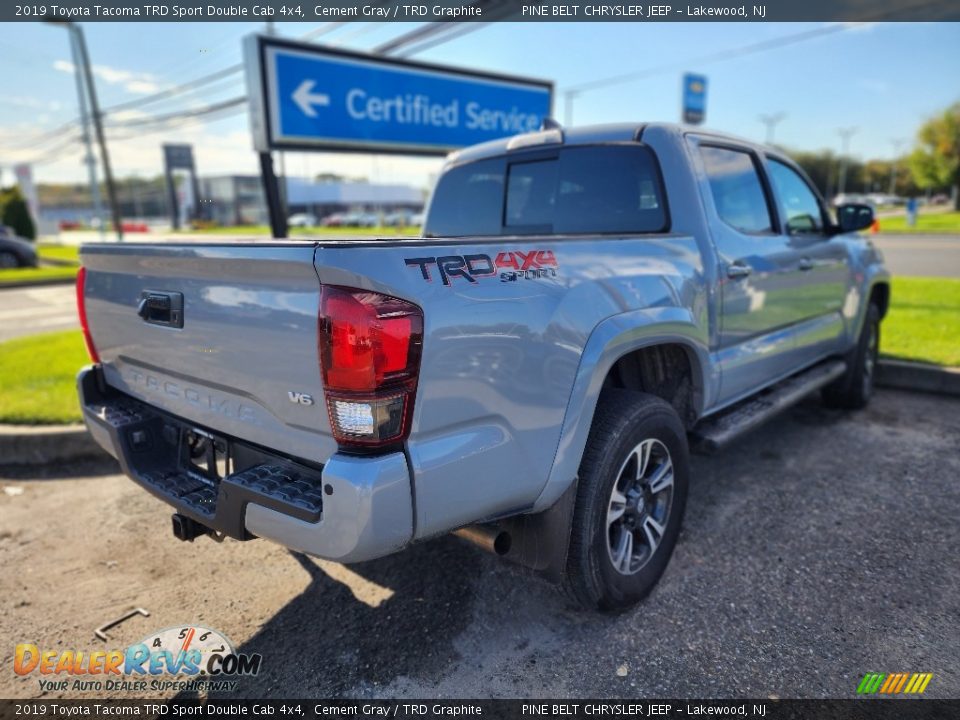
pixel 755 262
pixel 818 284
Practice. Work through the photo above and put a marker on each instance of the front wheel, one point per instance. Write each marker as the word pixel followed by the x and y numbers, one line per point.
pixel 853 389
pixel 631 495
pixel 8 260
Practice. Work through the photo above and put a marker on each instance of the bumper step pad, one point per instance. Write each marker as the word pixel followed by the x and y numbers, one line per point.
pixel 148 442
pixel 298 493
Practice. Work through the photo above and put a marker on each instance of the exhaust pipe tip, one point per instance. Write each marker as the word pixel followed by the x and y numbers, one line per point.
pixel 493 540
pixel 502 543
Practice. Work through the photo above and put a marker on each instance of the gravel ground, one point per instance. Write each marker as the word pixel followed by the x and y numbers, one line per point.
pixel 822 547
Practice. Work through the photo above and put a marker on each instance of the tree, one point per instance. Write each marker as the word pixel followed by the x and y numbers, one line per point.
pixel 16 214
pixel 935 163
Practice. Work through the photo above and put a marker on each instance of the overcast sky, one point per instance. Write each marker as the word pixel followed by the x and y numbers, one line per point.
pixel 884 79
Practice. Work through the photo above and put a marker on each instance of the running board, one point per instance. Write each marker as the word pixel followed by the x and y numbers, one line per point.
pixel 719 430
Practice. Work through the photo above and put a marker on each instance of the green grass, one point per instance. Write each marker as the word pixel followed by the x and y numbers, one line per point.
pixel 19 275
pixel 37 376
pixel 310 231
pixel 947 222
pixel 62 253
pixel 924 321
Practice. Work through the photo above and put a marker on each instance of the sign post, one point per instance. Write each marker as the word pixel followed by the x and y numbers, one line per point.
pixel 694 98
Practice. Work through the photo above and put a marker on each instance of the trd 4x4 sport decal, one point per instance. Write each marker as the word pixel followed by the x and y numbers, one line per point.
pixel 512 266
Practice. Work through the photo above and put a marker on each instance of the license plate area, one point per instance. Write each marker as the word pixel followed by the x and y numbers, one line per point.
pixel 204 456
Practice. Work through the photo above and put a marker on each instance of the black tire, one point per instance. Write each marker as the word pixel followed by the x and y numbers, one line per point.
pixel 625 421
pixel 8 260
pixel 853 389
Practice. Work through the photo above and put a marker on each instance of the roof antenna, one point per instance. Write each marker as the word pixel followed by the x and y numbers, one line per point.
pixel 550 124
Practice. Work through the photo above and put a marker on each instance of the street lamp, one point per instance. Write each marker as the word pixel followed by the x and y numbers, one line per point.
pixel 771 122
pixel 845 135
pixel 82 64
pixel 569 96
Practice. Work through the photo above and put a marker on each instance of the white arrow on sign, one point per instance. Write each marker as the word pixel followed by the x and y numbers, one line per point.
pixel 306 100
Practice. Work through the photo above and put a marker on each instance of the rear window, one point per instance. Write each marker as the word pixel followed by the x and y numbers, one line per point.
pixel 582 190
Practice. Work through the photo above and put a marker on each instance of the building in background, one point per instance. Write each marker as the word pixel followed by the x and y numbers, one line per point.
pixel 322 199
pixel 233 200
pixel 238 199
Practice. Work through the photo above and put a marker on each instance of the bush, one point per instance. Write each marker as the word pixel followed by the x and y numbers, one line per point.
pixel 16 215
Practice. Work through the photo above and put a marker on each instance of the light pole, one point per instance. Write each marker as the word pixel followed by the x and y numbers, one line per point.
pixel 845 135
pixel 568 97
pixel 80 46
pixel 897 144
pixel 89 159
pixel 771 122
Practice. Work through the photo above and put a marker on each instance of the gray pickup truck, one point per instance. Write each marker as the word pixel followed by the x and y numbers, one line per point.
pixel 583 307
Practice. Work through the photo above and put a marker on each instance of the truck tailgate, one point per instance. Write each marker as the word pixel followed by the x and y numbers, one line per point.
pixel 244 362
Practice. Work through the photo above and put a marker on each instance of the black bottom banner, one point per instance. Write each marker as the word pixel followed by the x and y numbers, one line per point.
pixel 872 709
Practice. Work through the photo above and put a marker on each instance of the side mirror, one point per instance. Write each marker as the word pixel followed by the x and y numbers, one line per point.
pixel 854 216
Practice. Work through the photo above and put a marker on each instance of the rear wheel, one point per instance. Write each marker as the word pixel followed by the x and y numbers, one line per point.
pixel 8 260
pixel 853 389
pixel 631 495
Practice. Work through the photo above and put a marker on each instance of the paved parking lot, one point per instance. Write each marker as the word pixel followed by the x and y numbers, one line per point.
pixel 920 255
pixel 26 311
pixel 820 548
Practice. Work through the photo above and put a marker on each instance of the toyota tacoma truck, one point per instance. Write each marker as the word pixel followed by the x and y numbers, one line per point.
pixel 584 306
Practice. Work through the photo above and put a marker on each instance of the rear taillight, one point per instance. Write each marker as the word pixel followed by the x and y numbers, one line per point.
pixel 82 312
pixel 369 360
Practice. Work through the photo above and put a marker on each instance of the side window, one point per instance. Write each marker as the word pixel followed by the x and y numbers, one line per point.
pixel 736 189
pixel 798 204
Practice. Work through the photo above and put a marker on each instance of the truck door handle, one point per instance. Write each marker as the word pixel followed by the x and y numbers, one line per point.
pixel 738 270
pixel 806 264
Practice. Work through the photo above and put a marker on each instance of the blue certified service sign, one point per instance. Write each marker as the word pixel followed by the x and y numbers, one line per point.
pixel 305 96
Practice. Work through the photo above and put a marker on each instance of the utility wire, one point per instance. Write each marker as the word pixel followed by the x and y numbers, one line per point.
pixel 727 54
pixel 185 114
pixel 233 105
pixel 176 90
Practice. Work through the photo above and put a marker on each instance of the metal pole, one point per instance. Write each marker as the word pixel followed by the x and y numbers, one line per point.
pixel 771 122
pixel 282 180
pixel 98 127
pixel 278 221
pixel 845 135
pixel 90 161
pixel 568 97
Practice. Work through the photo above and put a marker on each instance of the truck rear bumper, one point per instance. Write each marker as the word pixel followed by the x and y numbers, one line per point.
pixel 351 509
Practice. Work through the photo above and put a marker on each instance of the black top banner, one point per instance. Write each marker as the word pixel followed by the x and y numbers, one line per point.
pixel 483 11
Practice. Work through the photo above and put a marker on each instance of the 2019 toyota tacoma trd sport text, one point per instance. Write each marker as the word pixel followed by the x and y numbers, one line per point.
pixel 584 306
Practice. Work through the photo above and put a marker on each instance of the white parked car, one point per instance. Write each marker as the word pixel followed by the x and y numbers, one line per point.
pixel 302 220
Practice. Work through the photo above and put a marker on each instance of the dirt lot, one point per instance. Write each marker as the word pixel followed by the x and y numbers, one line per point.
pixel 822 547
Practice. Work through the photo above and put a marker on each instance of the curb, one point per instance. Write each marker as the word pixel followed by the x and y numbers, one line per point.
pixel 29 445
pixel 37 283
pixel 918 377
